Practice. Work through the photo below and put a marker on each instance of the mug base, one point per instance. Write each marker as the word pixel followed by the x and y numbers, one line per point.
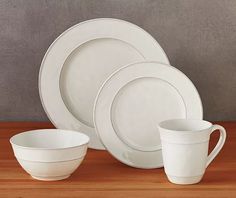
pixel 55 178
pixel 184 180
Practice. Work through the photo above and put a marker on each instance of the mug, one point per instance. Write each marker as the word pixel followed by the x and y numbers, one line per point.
pixel 185 148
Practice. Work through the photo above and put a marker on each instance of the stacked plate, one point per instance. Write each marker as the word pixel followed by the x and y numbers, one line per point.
pixel 112 81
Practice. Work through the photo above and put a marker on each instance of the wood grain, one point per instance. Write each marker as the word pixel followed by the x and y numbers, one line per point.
pixel 100 175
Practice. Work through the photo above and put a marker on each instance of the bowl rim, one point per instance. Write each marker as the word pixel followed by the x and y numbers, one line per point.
pixel 47 148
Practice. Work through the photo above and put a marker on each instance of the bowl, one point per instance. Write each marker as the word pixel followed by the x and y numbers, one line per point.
pixel 50 154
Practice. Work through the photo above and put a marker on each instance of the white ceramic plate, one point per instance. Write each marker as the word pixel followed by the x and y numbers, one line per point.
pixel 131 103
pixel 80 60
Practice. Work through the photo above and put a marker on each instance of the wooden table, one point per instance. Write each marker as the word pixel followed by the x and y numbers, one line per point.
pixel 100 175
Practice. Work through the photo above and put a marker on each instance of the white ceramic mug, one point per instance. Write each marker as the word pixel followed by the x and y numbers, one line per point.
pixel 185 148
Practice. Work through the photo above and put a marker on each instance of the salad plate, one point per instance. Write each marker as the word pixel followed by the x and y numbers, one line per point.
pixel 133 100
pixel 79 61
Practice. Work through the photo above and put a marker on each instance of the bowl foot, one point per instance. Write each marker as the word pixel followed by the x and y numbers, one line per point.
pixel 53 178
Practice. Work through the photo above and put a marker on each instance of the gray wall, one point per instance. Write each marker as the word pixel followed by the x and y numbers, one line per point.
pixel 199 37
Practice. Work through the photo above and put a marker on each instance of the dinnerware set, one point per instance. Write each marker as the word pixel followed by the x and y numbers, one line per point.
pixel 111 81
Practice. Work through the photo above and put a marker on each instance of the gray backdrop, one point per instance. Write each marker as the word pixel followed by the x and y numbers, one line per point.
pixel 199 37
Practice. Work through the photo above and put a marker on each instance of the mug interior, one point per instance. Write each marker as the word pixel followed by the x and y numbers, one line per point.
pixel 49 139
pixel 185 125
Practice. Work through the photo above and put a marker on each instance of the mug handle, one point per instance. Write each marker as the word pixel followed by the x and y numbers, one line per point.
pixel 219 144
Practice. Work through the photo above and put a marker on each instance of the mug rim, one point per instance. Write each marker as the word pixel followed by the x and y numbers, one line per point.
pixel 168 125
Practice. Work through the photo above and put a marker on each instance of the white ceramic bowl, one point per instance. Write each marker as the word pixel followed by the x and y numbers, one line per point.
pixel 50 154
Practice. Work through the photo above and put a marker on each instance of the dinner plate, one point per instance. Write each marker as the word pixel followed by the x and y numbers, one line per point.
pixel 80 60
pixel 131 103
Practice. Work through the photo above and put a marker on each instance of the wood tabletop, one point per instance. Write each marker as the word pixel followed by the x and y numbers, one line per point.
pixel 100 175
